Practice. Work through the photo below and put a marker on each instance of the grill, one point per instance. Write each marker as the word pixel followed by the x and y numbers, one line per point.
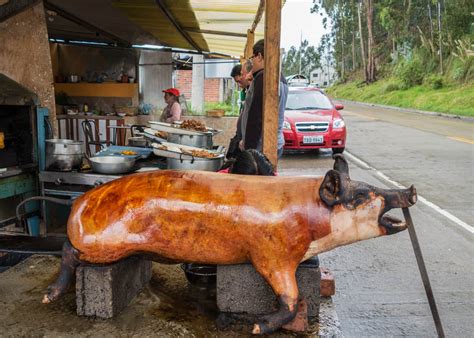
pixel 306 127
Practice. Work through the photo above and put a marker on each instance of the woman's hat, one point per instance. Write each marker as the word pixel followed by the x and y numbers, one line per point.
pixel 172 91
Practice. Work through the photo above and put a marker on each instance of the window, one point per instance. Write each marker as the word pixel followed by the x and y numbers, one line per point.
pixel 315 74
pixel 305 100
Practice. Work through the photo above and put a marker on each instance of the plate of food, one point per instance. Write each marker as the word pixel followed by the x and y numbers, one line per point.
pixel 186 127
pixel 125 151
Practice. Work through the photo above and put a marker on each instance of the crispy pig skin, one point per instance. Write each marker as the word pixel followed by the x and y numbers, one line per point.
pixel 202 217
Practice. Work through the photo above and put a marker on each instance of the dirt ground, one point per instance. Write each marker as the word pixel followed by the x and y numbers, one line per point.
pixel 167 307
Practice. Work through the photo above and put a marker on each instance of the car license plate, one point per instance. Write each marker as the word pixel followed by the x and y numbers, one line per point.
pixel 313 139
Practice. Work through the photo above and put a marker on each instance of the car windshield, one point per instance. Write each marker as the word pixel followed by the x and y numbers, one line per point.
pixel 307 100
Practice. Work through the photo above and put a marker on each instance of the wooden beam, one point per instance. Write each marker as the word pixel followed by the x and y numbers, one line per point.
pixel 271 80
pixel 161 4
pixel 206 31
pixel 249 44
pixel 71 17
pixel 13 7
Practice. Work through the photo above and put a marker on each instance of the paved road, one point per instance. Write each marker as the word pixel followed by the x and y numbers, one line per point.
pixel 379 289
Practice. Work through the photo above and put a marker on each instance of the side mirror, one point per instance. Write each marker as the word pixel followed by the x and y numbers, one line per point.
pixel 339 106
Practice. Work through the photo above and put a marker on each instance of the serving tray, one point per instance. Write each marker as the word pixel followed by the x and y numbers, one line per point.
pixel 174 151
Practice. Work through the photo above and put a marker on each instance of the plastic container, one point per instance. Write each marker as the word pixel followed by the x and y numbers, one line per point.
pixel 33 226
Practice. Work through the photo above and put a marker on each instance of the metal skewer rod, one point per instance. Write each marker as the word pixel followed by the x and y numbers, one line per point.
pixel 423 272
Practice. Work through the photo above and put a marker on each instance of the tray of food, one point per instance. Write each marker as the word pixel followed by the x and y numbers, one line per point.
pixel 154 134
pixel 179 151
pixel 186 127
pixel 135 152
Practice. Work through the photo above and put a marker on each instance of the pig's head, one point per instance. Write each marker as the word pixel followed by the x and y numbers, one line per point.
pixel 359 210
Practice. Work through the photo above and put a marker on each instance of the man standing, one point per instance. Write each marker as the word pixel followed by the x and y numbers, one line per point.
pixel 252 117
pixel 242 76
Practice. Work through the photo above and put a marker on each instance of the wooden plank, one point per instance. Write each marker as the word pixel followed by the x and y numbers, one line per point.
pixel 97 135
pixel 271 80
pixel 249 44
pixel 111 89
pixel 107 132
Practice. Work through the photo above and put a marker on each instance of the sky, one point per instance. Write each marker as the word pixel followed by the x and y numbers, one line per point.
pixel 297 19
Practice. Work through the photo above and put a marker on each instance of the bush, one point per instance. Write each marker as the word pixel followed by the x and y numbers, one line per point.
pixel 434 81
pixel 410 72
pixel 391 87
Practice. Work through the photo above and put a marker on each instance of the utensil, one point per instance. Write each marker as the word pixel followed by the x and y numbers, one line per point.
pixel 112 164
pixel 63 154
pixel 73 78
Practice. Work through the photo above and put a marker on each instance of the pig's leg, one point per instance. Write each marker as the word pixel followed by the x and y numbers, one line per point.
pixel 69 263
pixel 285 287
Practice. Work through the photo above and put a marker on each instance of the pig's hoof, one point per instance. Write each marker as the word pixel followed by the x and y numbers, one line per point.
pixel 46 299
pixel 261 328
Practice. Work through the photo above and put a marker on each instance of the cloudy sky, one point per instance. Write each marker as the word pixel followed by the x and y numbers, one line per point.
pixel 296 20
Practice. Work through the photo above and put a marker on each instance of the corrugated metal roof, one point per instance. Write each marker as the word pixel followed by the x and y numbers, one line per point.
pixel 218 26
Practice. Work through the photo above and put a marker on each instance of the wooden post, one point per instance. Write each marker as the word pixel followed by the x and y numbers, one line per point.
pixel 249 44
pixel 271 80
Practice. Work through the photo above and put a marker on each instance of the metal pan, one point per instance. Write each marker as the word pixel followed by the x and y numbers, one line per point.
pixel 112 164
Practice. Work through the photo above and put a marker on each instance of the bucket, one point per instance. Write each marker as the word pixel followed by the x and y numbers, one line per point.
pixel 33 226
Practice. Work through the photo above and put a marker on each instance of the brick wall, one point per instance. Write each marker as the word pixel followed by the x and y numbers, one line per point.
pixel 211 90
pixel 184 80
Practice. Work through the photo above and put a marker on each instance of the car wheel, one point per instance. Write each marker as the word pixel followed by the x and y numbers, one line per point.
pixel 338 150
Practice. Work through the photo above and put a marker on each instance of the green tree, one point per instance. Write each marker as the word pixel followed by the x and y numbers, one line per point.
pixel 300 60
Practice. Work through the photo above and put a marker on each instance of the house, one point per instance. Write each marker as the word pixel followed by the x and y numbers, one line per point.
pixel 323 76
pixel 217 81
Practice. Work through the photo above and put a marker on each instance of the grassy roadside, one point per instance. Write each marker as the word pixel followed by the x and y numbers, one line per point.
pixel 451 99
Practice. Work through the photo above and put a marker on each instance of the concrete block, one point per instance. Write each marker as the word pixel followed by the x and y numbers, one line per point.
pixel 328 285
pixel 103 291
pixel 241 289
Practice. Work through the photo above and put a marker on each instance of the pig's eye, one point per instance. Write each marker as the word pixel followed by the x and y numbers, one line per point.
pixel 359 199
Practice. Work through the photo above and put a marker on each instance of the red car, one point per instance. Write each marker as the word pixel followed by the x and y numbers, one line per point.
pixel 312 121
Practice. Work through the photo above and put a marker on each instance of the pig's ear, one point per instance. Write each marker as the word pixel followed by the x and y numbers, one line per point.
pixel 340 164
pixel 331 190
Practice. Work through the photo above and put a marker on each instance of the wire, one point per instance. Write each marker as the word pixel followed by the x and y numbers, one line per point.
pixel 44 198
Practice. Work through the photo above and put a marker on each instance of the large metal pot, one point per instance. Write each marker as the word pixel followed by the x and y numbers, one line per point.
pixel 112 164
pixel 189 162
pixel 63 154
pixel 137 141
pixel 199 141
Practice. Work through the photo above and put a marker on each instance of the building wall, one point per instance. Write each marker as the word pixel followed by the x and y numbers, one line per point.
pixel 212 86
pixel 155 75
pixel 25 54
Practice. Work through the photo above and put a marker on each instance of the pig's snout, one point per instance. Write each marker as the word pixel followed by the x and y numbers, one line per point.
pixel 401 198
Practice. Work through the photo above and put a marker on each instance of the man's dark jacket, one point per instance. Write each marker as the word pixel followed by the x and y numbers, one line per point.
pixel 253 132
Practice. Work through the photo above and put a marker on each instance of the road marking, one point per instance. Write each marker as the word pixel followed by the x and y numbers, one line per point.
pixel 461 139
pixel 433 206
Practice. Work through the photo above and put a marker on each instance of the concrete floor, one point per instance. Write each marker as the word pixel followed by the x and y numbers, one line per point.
pixel 168 307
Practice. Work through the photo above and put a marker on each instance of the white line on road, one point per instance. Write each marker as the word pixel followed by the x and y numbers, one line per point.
pixel 443 212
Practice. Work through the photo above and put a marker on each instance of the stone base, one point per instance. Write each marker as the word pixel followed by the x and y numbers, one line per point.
pixel 242 290
pixel 103 291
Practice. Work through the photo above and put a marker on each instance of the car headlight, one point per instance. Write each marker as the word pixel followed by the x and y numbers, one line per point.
pixel 338 123
pixel 286 125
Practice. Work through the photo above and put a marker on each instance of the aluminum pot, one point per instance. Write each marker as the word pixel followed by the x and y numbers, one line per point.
pixel 112 164
pixel 199 141
pixel 63 154
pixel 189 162
pixel 137 141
